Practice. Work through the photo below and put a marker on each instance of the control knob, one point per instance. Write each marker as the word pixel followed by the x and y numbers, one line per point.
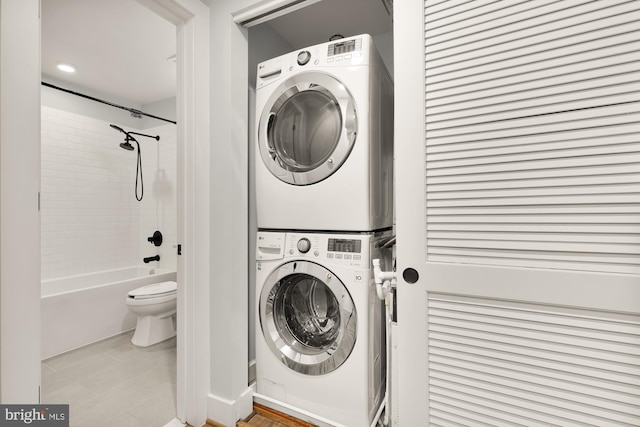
pixel 304 57
pixel 304 245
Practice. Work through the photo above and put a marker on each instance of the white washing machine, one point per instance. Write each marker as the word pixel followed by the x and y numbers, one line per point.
pixel 324 119
pixel 320 343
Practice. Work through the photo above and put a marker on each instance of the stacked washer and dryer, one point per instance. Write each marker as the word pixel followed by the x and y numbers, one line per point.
pixel 324 192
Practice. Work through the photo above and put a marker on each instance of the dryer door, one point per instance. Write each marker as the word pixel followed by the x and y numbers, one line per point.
pixel 308 318
pixel 307 128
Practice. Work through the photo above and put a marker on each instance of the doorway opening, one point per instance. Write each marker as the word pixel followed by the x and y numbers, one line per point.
pixel 94 238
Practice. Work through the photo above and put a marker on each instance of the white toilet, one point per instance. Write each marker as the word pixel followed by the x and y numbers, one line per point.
pixel 155 306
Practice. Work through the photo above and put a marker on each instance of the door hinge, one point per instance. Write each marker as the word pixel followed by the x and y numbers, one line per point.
pixel 179 249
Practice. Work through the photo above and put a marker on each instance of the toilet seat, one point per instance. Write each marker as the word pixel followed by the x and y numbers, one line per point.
pixel 155 290
pixel 155 305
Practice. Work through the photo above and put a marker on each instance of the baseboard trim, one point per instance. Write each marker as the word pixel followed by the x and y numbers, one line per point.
pixel 225 413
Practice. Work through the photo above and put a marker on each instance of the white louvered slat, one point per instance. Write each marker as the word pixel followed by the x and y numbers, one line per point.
pixel 516 175
pixel 450 114
pixel 547 237
pixel 526 364
pixel 464 159
pixel 441 411
pixel 568 139
pixel 569 261
pixel 627 188
pixel 530 35
pixel 537 60
pixel 605 115
pixel 471 16
pixel 526 30
pixel 532 112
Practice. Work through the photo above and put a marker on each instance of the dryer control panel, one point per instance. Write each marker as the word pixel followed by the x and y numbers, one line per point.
pixel 345 52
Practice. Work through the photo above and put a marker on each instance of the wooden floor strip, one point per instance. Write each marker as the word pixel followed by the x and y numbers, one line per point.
pixel 211 423
pixel 266 417
pixel 259 421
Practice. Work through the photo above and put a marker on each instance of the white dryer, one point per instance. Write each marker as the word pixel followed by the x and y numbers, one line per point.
pixel 324 119
pixel 320 345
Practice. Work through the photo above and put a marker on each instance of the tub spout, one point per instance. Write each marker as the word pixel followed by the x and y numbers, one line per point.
pixel 151 258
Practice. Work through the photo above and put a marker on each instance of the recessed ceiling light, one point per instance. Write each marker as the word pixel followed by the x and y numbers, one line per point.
pixel 66 68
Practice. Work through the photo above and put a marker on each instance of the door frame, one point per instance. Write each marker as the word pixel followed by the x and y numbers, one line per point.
pixel 20 347
pixel 20 284
pixel 191 18
pixel 409 127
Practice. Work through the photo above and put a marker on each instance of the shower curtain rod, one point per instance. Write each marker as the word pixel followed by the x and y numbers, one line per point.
pixel 133 111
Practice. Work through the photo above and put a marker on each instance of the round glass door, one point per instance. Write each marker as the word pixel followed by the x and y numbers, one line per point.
pixel 308 318
pixel 307 128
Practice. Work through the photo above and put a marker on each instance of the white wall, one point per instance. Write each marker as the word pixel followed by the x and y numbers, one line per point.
pixel 19 186
pixel 159 210
pixel 165 108
pixel 91 220
pixel 384 44
pixel 230 398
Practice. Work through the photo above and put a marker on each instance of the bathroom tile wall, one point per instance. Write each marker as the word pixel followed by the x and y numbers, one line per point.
pixel 158 209
pixel 90 218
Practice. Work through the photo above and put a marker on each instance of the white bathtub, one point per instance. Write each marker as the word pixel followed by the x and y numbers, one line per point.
pixel 79 310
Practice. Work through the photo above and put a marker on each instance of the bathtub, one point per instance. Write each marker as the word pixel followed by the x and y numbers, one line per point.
pixel 82 309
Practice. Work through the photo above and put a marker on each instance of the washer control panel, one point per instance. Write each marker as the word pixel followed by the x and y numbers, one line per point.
pixel 344 249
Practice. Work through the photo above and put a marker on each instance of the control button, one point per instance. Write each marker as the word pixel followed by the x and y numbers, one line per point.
pixel 304 57
pixel 291 252
pixel 347 56
pixel 347 256
pixel 316 62
pixel 330 255
pixel 316 253
pixel 339 58
pixel 338 256
pixel 304 245
pixel 329 59
pixel 357 257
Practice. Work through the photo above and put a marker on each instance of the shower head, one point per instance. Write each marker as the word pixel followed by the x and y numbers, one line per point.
pixel 128 137
pixel 127 146
pixel 118 128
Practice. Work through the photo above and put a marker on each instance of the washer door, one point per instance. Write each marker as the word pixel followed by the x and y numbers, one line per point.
pixel 307 128
pixel 308 318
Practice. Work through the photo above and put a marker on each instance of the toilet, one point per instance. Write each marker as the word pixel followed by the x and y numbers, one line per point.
pixel 155 306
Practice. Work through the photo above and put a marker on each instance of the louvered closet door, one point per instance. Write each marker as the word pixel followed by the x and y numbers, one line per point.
pixel 518 205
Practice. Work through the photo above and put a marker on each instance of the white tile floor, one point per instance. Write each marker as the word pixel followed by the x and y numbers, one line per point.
pixel 114 383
